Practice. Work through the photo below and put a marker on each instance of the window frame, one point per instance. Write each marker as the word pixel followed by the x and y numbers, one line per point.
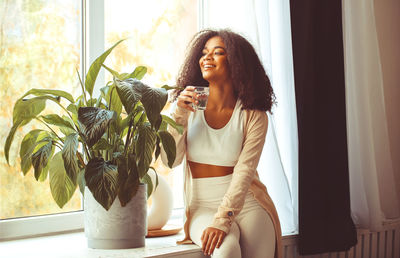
pixel 40 225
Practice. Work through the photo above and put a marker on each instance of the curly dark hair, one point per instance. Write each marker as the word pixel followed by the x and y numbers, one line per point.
pixel 250 81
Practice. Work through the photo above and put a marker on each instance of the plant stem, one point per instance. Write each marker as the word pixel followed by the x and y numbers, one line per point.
pixel 66 110
pixel 83 89
pixel 128 135
pixel 80 159
pixel 87 151
pixel 50 129
pixel 109 152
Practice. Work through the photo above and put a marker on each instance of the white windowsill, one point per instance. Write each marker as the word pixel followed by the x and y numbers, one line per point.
pixel 74 244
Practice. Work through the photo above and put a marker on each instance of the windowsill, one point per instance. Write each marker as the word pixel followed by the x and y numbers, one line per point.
pixel 74 244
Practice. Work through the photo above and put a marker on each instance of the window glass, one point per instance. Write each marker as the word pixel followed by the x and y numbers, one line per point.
pixel 157 33
pixel 40 47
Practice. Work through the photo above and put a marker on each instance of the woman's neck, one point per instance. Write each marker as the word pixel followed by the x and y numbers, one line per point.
pixel 221 97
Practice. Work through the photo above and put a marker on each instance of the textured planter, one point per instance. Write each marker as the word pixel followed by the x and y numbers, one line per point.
pixel 119 227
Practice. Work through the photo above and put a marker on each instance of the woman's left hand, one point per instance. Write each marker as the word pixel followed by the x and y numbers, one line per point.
pixel 211 238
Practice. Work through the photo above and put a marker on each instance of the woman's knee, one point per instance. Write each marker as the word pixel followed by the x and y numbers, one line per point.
pixel 199 222
pixel 230 247
pixel 257 234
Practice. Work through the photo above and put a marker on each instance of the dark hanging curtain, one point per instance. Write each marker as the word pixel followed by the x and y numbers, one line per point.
pixel 325 224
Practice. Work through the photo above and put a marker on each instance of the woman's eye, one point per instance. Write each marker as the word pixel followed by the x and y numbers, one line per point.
pixel 219 53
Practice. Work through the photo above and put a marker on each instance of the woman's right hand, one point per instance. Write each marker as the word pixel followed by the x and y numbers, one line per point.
pixel 187 98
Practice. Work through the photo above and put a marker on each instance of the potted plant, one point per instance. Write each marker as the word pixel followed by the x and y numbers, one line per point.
pixel 104 144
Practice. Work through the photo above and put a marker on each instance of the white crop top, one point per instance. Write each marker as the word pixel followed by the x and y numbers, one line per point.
pixel 220 147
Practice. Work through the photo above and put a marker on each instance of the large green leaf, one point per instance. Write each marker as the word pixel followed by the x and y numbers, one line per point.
pixel 68 130
pixel 113 100
pixel 139 72
pixel 146 179
pixel 81 181
pixel 69 156
pixel 169 146
pixel 74 111
pixel 44 173
pixel 167 87
pixel 123 172
pixel 95 68
pixel 24 111
pixel 10 138
pixel 144 147
pixel 114 73
pixel 102 144
pixel 55 119
pixel 129 92
pixel 154 100
pixel 27 146
pixel 73 108
pixel 41 155
pixel 171 122
pixel 61 186
pixel 128 179
pixel 158 149
pixel 101 178
pixel 42 92
pixel 94 122
pixel 158 123
pixel 27 109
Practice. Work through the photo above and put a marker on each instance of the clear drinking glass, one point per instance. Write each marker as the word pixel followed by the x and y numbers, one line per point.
pixel 202 97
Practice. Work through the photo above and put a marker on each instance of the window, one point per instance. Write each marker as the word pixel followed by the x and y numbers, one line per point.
pixel 42 43
pixel 40 48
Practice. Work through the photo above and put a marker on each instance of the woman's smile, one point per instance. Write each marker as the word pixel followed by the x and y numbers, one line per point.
pixel 208 66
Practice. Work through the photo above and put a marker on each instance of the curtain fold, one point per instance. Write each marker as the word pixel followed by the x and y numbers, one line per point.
pixel 325 223
pixel 372 178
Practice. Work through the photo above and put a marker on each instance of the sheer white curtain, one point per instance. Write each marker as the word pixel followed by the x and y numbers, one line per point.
pixel 266 24
pixel 372 178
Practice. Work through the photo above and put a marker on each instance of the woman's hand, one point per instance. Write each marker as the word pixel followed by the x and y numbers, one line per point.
pixel 211 238
pixel 187 97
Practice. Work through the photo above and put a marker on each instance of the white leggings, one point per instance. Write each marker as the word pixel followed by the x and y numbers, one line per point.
pixel 252 234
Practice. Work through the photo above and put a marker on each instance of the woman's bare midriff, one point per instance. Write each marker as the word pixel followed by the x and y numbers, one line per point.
pixel 200 170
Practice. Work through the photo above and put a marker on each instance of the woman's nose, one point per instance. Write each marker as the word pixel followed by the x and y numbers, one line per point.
pixel 207 56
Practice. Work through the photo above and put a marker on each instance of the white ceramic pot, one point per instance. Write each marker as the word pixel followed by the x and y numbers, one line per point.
pixel 119 227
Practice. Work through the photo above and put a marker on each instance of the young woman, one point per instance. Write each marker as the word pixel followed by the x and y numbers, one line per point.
pixel 228 210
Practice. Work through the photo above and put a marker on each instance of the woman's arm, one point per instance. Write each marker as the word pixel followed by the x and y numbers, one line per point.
pixel 243 172
pixel 180 113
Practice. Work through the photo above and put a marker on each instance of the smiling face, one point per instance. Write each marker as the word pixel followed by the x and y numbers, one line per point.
pixel 213 62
